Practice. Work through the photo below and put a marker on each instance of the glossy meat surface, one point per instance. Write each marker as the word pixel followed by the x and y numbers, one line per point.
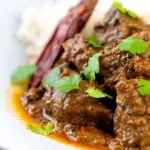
pixel 116 26
pixel 76 108
pixel 132 117
pixel 76 52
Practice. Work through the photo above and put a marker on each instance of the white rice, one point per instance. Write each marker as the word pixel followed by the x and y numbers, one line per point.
pixel 37 25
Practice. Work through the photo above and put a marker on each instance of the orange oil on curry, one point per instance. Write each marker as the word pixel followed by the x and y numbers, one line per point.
pixel 15 107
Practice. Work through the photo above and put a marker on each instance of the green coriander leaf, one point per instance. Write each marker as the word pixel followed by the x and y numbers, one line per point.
pixel 49 128
pixel 133 45
pixel 89 73
pixel 41 129
pixel 144 87
pixel 38 129
pixel 97 93
pixel 53 77
pixel 94 42
pixel 124 10
pixel 23 73
pixel 131 14
pixel 92 68
pixel 68 84
pixel 119 6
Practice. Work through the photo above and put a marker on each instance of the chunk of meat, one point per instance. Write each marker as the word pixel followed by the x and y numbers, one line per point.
pixel 117 64
pixel 33 98
pixel 141 63
pixel 132 116
pixel 112 60
pixel 88 135
pixel 76 52
pixel 75 107
pixel 117 26
pixel 142 67
pixel 113 63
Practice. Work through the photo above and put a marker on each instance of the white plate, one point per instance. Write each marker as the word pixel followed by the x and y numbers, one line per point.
pixel 13 135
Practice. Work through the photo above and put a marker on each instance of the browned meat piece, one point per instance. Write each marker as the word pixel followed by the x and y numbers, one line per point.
pixel 112 60
pixel 76 52
pixel 32 102
pixel 33 94
pixel 117 64
pixel 117 26
pixel 141 63
pixel 132 116
pixel 32 99
pixel 113 63
pixel 75 107
pixel 141 66
pixel 88 135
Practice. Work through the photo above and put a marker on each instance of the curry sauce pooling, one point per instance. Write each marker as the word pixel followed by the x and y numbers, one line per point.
pixel 15 107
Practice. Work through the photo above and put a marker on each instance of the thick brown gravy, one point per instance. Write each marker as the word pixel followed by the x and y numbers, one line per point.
pixel 15 107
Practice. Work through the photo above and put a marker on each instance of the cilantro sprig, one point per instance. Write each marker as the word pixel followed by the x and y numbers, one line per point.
pixel 144 87
pixel 97 93
pixel 124 10
pixel 93 67
pixel 131 14
pixel 23 73
pixel 41 129
pixel 133 45
pixel 67 84
pixel 53 77
pixel 94 42
pixel 119 6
